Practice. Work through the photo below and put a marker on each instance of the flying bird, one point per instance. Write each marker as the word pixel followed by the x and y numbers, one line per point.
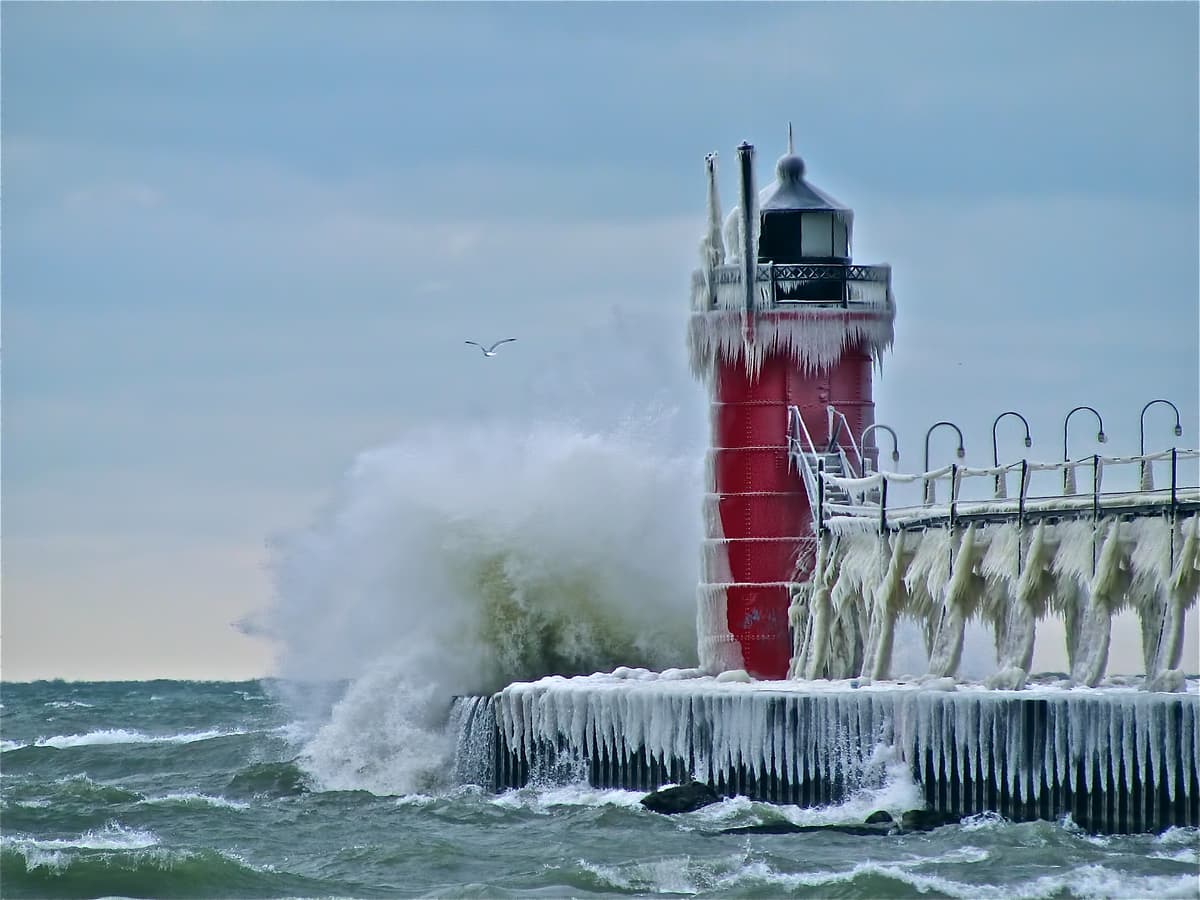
pixel 490 351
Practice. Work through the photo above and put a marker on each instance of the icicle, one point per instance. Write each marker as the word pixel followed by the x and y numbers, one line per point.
pixel 1189 737
pixel 1016 764
pixel 1172 741
pixel 1091 741
pixel 1142 737
pixel 1026 601
pixel 928 573
pixel 970 732
pixel 1063 750
pixel 814 339
pixel 1128 748
pixel 889 597
pixel 1183 589
pixel 946 729
pixel 821 611
pixel 1116 715
pixel 1157 738
pixel 1104 596
pixel 1049 748
pixel 960 596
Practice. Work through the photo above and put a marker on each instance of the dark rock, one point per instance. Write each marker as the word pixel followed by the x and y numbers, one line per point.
pixel 789 828
pixel 926 819
pixel 765 828
pixel 879 817
pixel 681 799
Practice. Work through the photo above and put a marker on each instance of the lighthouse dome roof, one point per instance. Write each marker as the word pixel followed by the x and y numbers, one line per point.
pixel 791 191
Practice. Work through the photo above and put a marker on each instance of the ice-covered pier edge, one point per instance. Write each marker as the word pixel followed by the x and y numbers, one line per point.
pixel 1116 759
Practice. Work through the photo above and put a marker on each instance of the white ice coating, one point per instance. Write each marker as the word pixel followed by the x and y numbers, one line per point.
pixel 812 338
pixel 1010 578
pixel 717 648
pixel 822 729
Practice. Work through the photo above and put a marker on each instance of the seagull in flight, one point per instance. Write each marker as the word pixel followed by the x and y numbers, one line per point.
pixel 490 351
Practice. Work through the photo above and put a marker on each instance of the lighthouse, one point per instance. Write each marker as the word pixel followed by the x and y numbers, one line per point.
pixel 780 317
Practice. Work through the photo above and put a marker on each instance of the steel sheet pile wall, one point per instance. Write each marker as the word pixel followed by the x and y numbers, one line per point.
pixel 1115 760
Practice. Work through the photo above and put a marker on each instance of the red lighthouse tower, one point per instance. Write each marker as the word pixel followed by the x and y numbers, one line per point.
pixel 780 317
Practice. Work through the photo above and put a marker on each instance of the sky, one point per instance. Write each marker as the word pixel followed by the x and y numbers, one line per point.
pixel 243 243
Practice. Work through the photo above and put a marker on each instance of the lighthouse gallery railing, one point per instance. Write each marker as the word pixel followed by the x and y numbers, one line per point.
pixel 780 284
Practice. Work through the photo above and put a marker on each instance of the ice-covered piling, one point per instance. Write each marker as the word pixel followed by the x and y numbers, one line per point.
pixel 1115 759
pixel 1085 571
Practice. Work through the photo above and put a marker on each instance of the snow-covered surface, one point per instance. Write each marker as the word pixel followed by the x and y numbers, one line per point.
pixel 819 728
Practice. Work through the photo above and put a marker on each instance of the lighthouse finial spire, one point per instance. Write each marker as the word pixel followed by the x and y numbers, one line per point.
pixel 791 148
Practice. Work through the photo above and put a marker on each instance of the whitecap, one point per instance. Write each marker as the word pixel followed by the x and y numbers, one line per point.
pixel 112 836
pixel 191 798
pixel 1174 835
pixel 125 736
pixel 545 799
pixel 1089 882
pixel 984 821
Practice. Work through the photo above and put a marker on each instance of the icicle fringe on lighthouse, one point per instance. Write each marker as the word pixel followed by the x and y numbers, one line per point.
pixel 781 317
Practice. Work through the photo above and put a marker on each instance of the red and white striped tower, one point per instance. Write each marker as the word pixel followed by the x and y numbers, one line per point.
pixel 785 320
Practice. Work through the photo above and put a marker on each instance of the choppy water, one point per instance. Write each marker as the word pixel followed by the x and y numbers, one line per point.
pixel 177 789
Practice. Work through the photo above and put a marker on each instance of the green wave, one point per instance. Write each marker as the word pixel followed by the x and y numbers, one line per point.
pixel 566 622
pixel 152 872
pixel 272 779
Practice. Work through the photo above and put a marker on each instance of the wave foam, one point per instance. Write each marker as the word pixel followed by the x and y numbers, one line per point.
pixel 190 798
pixel 112 836
pixel 124 736
pixel 721 875
pixel 458 561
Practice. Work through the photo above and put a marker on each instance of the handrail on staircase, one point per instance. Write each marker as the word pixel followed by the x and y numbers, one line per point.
pixel 833 411
pixel 801 449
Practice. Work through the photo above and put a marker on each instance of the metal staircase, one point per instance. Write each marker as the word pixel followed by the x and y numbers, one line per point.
pixel 822 467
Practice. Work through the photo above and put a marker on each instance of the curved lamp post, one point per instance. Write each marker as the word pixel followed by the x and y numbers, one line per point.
pixel 1000 486
pixel 1146 472
pixel 1069 470
pixel 895 442
pixel 960 452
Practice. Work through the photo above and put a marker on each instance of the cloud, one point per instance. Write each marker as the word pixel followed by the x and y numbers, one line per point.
pixel 244 242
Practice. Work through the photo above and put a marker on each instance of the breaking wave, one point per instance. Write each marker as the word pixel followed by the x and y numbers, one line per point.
pixel 459 560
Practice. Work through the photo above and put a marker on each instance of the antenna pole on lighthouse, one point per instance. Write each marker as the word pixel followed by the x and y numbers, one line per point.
pixel 745 153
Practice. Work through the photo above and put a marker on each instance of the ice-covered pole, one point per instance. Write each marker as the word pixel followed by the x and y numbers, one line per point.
pixel 749 250
pixel 713 246
pixel 716 246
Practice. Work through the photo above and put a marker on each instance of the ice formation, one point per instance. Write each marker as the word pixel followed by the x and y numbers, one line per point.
pixel 813 338
pixel 1027 742
pixel 1010 577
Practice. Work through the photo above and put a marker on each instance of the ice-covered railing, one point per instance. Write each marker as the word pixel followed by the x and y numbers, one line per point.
pixel 829 284
pixel 1084 555
pixel 802 453
pixel 811 462
pixel 875 502
pixel 839 430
